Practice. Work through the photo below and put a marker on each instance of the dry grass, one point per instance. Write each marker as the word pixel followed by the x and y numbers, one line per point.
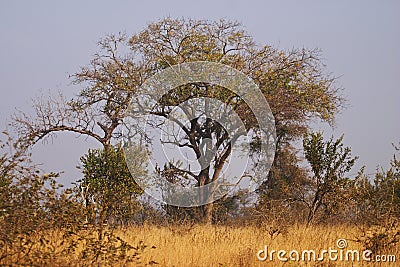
pixel 231 246
pixel 204 245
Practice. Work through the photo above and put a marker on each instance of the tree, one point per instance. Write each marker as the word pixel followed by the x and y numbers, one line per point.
pixel 330 161
pixel 294 82
pixel 108 187
pixel 288 182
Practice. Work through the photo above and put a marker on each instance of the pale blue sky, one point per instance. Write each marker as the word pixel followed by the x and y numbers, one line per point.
pixel 42 42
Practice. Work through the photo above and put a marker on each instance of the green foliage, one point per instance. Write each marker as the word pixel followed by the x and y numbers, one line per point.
pixel 108 188
pixel 329 161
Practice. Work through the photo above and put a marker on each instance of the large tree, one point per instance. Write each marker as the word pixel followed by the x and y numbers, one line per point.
pixel 294 82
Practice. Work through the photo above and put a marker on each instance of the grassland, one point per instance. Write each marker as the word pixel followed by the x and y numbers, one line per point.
pixel 195 245
pixel 238 246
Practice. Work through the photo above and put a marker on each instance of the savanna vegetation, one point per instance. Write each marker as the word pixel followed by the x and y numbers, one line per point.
pixel 308 199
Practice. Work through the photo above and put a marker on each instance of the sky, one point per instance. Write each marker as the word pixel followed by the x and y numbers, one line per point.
pixel 43 42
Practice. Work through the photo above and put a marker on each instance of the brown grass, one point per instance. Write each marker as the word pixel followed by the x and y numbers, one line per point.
pixel 205 245
pixel 238 246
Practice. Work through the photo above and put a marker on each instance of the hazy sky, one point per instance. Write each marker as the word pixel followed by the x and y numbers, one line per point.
pixel 42 42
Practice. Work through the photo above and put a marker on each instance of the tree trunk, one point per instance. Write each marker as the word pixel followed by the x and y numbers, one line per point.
pixel 314 207
pixel 207 209
pixel 208 213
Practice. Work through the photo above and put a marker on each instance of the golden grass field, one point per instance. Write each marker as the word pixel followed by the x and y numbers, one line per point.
pixel 206 245
pixel 231 246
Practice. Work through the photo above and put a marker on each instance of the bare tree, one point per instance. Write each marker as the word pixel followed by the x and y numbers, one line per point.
pixel 98 110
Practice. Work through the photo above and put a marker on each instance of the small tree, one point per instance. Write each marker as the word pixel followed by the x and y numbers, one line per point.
pixel 108 187
pixel 330 161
